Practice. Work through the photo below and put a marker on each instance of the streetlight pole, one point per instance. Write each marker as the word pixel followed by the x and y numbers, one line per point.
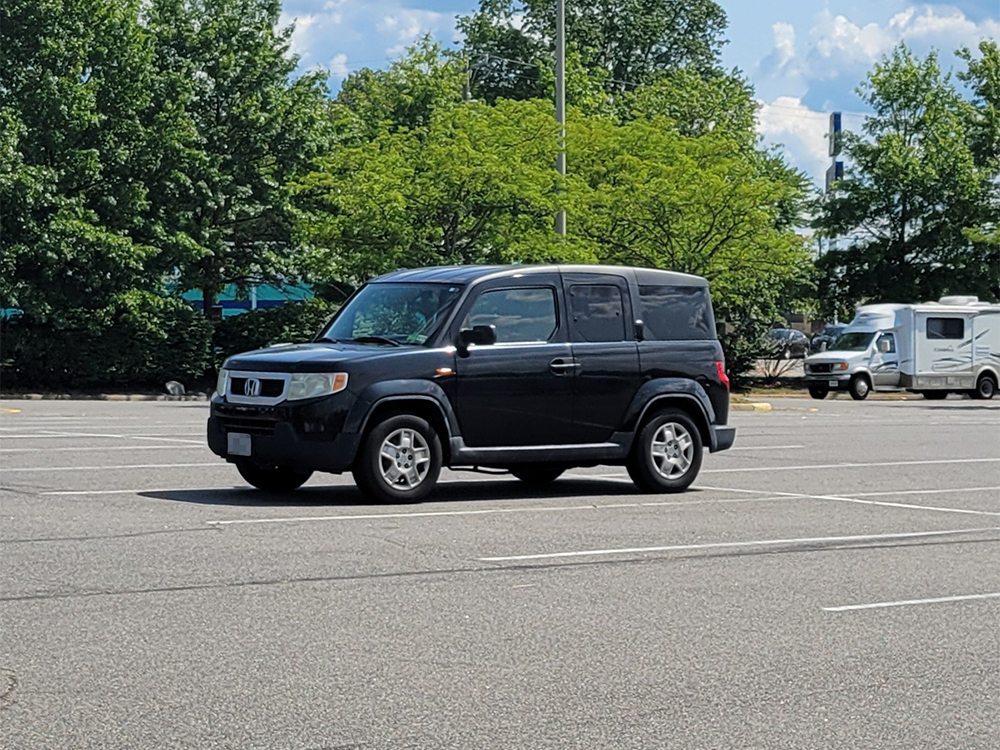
pixel 561 102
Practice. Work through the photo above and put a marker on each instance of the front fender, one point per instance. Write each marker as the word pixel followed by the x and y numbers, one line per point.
pixel 395 390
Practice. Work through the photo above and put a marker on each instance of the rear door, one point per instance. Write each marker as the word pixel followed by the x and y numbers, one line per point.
pixel 605 353
pixel 519 391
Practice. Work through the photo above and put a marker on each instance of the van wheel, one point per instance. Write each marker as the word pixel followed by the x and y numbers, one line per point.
pixel 935 395
pixel 537 474
pixel 860 387
pixel 278 479
pixel 666 455
pixel 400 460
pixel 819 391
pixel 986 388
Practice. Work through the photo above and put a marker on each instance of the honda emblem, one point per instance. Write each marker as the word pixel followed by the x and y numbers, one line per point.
pixel 251 388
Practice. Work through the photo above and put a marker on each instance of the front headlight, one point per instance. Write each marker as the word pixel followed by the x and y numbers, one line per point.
pixel 312 384
pixel 220 384
pixel 840 366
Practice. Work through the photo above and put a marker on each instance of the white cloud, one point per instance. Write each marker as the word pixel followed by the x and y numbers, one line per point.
pixel 406 25
pixel 838 47
pixel 299 44
pixel 338 66
pixel 801 132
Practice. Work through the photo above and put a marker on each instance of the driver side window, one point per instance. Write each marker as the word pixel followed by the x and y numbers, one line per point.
pixel 519 315
pixel 886 337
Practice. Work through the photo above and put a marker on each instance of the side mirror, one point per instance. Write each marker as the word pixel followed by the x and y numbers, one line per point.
pixel 477 335
pixel 883 345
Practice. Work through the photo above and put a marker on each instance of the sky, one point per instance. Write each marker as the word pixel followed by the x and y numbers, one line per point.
pixel 805 58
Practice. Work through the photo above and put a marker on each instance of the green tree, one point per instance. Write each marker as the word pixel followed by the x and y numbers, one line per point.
pixel 915 185
pixel 643 193
pixel 476 185
pixel 225 201
pixel 622 43
pixel 81 126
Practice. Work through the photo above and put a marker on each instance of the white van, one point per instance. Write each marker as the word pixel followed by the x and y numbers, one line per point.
pixel 934 348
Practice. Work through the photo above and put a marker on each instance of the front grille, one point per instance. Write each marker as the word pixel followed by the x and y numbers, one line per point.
pixel 821 368
pixel 269 387
pixel 249 425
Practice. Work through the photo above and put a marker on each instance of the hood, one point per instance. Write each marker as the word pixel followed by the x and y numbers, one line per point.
pixel 318 357
pixel 834 355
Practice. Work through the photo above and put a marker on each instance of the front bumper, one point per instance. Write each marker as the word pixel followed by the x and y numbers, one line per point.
pixel 838 382
pixel 307 436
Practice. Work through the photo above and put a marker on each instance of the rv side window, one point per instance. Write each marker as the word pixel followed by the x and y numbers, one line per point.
pixel 945 328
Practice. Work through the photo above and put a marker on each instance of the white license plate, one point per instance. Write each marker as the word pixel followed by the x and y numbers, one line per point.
pixel 239 444
pixel 831 383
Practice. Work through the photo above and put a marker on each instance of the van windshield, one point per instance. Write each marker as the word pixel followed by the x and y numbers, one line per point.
pixel 853 342
pixel 393 314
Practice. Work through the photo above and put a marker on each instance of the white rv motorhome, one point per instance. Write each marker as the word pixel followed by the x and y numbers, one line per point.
pixel 934 348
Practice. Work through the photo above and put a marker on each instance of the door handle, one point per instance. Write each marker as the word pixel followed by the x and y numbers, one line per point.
pixel 560 366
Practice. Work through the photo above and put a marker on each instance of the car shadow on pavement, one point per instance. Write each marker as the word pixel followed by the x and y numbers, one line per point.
pixel 347 495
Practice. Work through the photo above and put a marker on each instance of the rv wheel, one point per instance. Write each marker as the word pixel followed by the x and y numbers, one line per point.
pixel 860 387
pixel 986 386
pixel 819 390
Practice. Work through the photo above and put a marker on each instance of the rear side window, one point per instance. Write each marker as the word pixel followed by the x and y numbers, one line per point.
pixel 670 313
pixel 520 315
pixel 597 312
pixel 945 328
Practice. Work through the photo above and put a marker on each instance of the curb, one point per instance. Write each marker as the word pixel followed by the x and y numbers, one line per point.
pixel 100 397
pixel 752 406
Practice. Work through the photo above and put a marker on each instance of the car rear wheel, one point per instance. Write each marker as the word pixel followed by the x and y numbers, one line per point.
pixel 666 455
pixel 860 387
pixel 986 388
pixel 400 460
pixel 819 391
pixel 277 479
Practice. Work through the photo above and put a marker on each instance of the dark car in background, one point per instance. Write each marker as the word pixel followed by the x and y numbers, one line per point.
pixel 787 343
pixel 532 369
pixel 825 338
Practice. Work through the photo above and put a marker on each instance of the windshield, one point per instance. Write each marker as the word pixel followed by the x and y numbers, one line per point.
pixel 853 342
pixel 393 314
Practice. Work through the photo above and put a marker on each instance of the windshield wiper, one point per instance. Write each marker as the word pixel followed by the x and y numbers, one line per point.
pixel 377 340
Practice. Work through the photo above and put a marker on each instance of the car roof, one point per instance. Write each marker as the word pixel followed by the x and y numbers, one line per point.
pixel 468 274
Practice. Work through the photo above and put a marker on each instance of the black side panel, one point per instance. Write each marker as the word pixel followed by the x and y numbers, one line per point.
pixel 689 360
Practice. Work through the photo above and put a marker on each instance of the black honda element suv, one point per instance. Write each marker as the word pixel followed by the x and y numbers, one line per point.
pixel 531 369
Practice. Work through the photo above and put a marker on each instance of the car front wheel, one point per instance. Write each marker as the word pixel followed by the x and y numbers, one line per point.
pixel 860 387
pixel 986 388
pixel 666 455
pixel 277 479
pixel 819 391
pixel 400 460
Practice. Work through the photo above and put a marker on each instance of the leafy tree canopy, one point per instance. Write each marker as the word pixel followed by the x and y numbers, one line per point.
pixel 916 182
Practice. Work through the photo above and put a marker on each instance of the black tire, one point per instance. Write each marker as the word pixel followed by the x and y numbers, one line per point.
pixel 537 474
pixel 860 387
pixel 819 391
pixel 415 479
pixel 278 479
pixel 935 395
pixel 986 388
pixel 646 471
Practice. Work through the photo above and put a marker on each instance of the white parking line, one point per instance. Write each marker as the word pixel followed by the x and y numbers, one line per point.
pixel 102 448
pixel 854 465
pixel 108 468
pixel 859 501
pixel 765 447
pixel 907 602
pixel 925 492
pixel 161 438
pixel 730 545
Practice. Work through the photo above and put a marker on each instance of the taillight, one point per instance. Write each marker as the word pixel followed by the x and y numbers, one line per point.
pixel 722 374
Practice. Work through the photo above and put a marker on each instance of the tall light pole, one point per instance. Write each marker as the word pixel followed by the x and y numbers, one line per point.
pixel 561 101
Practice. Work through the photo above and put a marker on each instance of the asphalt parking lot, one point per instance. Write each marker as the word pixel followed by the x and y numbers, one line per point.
pixel 832 582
